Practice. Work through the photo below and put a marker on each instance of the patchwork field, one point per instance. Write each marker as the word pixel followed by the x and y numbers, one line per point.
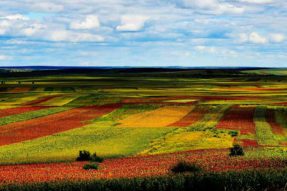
pixel 140 121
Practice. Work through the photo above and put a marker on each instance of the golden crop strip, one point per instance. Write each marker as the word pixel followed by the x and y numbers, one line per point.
pixel 160 117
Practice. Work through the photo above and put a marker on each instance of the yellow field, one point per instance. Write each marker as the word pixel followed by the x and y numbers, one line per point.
pixel 160 117
pixel 59 101
pixel 190 141
pixel 180 100
pixel 19 101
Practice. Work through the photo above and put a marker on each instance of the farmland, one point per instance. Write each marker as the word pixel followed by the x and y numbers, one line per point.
pixel 141 121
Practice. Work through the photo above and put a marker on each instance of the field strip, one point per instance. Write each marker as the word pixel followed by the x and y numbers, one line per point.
pixel 281 117
pixel 210 119
pixel 50 124
pixel 199 135
pixel 160 117
pixel 102 136
pixel 19 100
pixel 248 143
pixel 59 100
pixel 20 90
pixel 276 127
pixel 238 118
pixel 213 160
pixel 30 115
pixel 19 110
pixel 264 133
pixel 41 100
pixel 192 117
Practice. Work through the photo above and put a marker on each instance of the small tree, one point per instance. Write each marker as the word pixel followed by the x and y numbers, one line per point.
pixel 84 156
pixel 236 150
pixel 233 133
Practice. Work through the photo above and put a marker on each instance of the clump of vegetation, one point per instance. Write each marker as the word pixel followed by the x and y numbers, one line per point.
pixel 84 156
pixel 96 158
pixel 233 133
pixel 236 150
pixel 91 166
pixel 183 167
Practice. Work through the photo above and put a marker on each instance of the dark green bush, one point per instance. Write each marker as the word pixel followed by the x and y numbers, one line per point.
pixel 84 156
pixel 233 133
pixel 91 166
pixel 96 158
pixel 236 150
pixel 182 167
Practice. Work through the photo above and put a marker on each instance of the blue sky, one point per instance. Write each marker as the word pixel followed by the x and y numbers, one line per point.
pixel 188 33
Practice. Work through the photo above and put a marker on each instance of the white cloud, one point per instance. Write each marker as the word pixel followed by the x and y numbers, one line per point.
pixel 10 21
pixel 68 36
pixel 214 6
pixel 15 17
pixel 32 29
pixel 261 2
pixel 205 49
pixel 132 23
pixel 90 22
pixel 4 57
pixel 252 37
pixel 19 25
pixel 277 37
pixel 215 50
pixel 257 38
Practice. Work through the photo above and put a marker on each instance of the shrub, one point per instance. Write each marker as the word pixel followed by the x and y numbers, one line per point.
pixel 96 158
pixel 233 133
pixel 91 166
pixel 236 150
pixel 182 167
pixel 84 156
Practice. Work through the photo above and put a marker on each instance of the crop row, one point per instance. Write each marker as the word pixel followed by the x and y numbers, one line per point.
pixel 31 115
pixel 50 124
pixel 263 129
pixel 145 166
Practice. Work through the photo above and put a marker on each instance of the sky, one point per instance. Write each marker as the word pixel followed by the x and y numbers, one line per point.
pixel 157 33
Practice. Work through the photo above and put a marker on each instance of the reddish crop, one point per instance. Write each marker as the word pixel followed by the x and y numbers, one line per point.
pixel 20 89
pixel 276 128
pixel 51 124
pixel 158 100
pixel 238 118
pixel 41 100
pixel 214 98
pixel 190 118
pixel 249 143
pixel 19 110
pixel 142 166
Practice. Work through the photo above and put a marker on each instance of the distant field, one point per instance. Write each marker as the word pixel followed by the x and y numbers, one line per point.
pixel 146 116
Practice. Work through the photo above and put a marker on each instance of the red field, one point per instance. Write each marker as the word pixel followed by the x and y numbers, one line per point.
pixel 19 110
pixel 48 125
pixel 249 143
pixel 41 100
pixel 190 118
pixel 210 160
pixel 238 118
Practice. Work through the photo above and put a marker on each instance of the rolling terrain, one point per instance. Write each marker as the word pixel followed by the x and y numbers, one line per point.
pixel 141 121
